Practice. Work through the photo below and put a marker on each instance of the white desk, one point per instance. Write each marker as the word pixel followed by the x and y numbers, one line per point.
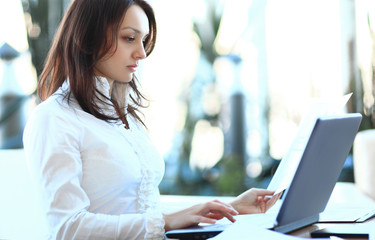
pixel 345 197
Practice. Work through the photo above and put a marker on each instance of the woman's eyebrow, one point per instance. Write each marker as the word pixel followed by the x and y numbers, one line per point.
pixel 134 29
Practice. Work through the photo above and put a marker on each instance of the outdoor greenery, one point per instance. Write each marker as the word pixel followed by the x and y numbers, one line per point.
pixel 228 176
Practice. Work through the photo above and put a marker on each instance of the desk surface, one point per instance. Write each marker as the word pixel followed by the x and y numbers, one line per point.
pixel 19 208
pixel 344 197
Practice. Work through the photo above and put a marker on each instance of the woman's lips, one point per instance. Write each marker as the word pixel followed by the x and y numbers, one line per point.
pixel 133 68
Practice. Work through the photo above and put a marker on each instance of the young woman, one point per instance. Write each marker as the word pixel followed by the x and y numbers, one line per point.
pixel 87 148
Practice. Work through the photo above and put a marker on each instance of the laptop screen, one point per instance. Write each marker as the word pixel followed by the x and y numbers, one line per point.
pixel 318 170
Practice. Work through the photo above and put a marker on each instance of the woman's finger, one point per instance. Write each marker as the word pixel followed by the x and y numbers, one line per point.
pixel 219 210
pixel 202 219
pixel 272 201
pixel 215 216
pixel 219 206
pixel 225 204
pixel 225 214
pixel 262 192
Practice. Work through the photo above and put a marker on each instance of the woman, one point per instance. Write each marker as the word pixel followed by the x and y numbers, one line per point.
pixel 87 148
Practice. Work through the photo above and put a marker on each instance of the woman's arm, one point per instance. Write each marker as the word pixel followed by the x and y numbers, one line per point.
pixel 252 201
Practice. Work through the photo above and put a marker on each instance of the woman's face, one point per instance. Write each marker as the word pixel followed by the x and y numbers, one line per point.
pixel 122 64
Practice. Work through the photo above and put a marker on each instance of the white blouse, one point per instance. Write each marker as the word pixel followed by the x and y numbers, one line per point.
pixel 97 180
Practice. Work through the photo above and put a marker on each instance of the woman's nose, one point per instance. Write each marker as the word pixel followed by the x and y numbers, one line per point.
pixel 140 52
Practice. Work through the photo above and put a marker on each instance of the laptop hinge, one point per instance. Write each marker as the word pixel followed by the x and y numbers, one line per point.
pixel 295 225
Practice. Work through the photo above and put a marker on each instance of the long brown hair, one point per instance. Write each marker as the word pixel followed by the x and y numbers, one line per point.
pixel 80 42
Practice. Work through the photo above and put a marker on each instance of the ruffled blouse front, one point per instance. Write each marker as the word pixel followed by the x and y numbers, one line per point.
pixel 97 180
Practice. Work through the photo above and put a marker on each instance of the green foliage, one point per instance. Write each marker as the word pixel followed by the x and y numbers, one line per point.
pixel 232 176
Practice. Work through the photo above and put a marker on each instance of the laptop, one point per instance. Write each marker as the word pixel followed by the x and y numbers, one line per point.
pixel 310 189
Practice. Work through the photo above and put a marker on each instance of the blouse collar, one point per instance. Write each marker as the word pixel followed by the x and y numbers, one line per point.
pixel 114 90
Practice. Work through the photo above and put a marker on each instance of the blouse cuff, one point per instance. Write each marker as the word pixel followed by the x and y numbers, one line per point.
pixel 155 225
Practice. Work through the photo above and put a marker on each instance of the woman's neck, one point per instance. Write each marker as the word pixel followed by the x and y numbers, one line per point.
pixel 110 82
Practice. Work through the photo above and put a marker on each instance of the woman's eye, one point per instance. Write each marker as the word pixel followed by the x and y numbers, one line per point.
pixel 129 39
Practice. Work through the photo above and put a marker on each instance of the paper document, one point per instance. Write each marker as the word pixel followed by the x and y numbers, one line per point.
pixel 243 229
pixel 289 163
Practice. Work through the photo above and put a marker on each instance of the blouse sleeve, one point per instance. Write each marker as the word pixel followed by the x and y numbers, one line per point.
pixel 52 149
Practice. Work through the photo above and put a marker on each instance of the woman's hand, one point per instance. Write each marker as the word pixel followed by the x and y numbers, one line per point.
pixel 252 201
pixel 207 212
pixel 255 200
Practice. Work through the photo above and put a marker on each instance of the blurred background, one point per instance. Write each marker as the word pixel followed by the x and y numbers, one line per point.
pixel 229 80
